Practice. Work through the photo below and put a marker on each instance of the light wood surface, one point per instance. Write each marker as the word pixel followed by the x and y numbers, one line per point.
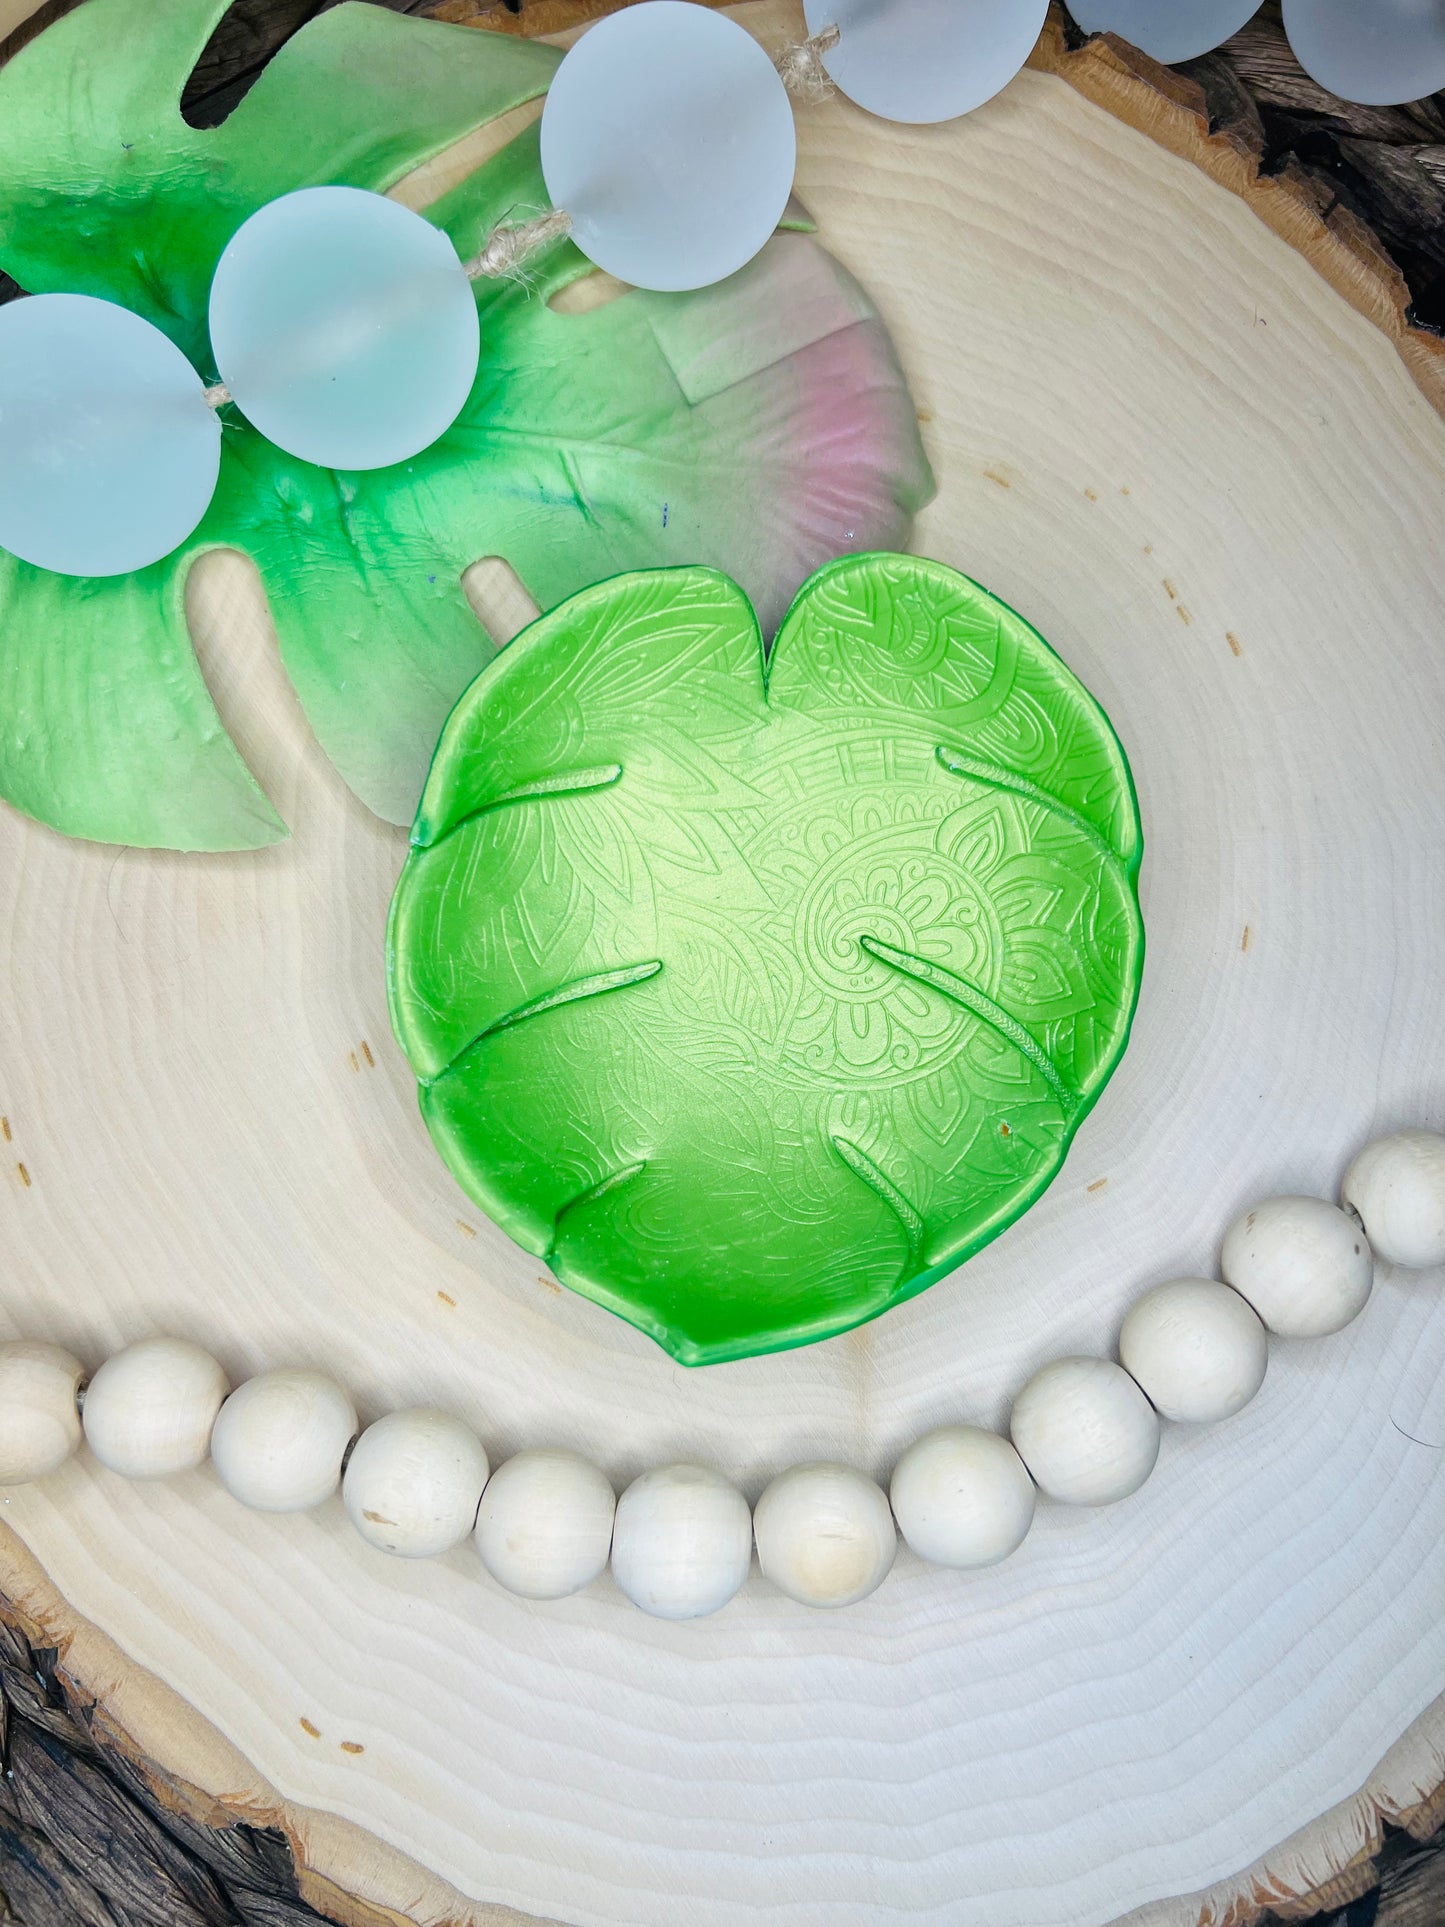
pixel 1167 441
pixel 13 13
pixel 1207 116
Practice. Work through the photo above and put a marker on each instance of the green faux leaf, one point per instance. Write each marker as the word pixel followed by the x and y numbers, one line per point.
pixel 755 997
pixel 761 426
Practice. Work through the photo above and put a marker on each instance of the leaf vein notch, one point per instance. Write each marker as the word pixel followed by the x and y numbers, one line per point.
pixel 961 991
pixel 580 987
pixel 612 1182
pixel 572 782
pixel 959 763
pixel 862 1166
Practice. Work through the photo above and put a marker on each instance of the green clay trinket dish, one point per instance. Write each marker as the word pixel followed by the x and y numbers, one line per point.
pixel 756 991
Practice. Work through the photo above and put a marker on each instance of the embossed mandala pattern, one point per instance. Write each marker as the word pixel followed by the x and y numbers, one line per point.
pixel 755 1000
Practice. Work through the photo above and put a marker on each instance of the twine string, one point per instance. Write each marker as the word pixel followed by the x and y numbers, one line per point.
pixel 508 248
pixel 800 67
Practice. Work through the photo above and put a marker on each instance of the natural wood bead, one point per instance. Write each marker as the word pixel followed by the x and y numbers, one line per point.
pixel 962 1497
pixel 279 1440
pixel 1303 1264
pixel 825 1534
pixel 1085 1431
pixel 1397 1186
pixel 1197 1349
pixel 545 1525
pixel 682 1541
pixel 39 1419
pixel 149 1409
pixel 414 1481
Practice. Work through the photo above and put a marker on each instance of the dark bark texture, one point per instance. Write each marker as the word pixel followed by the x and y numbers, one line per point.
pixel 87 1839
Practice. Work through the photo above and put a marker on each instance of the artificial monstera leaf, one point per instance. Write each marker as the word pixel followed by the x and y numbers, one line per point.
pixel 761 425
pixel 756 994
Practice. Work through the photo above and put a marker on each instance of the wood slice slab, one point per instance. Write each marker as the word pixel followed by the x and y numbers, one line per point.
pixel 1212 483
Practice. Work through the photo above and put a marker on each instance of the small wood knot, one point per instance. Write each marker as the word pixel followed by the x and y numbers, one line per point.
pixel 801 69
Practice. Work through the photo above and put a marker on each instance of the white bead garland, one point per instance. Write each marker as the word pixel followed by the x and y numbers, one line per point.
pixel 150 1408
pixel 344 327
pixel 682 1541
pixel 1303 1264
pixel 545 1525
pixel 39 1418
pixel 1196 1348
pixel 825 1535
pixel 1166 30
pixel 1396 1186
pixel 111 452
pixel 414 1481
pixel 279 1440
pixel 684 199
pixel 1085 1431
pixel 962 1497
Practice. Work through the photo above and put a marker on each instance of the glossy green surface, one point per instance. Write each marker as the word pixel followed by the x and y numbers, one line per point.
pixel 755 1000
pixel 760 425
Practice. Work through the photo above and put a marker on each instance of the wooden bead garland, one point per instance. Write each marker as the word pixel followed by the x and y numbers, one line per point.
pixel 39 1415
pixel 825 1535
pixel 682 1537
pixel 682 1541
pixel 544 1530
pixel 962 1497
pixel 279 1440
pixel 1085 1431
pixel 149 1409
pixel 1396 1187
pixel 1303 1264
pixel 1196 1349
pixel 414 1481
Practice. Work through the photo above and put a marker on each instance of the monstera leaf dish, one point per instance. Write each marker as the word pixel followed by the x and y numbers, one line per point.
pixel 754 993
pixel 762 425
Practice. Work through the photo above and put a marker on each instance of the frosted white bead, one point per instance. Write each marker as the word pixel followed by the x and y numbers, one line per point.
pixel 39 1422
pixel 962 1497
pixel 110 451
pixel 149 1409
pixel 1303 1264
pixel 1397 1185
pixel 1197 1349
pixel 545 1525
pixel 825 1534
pixel 926 60
pixel 414 1481
pixel 682 1541
pixel 668 137
pixel 279 1440
pixel 345 327
pixel 1168 29
pixel 1085 1431
pixel 1377 52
